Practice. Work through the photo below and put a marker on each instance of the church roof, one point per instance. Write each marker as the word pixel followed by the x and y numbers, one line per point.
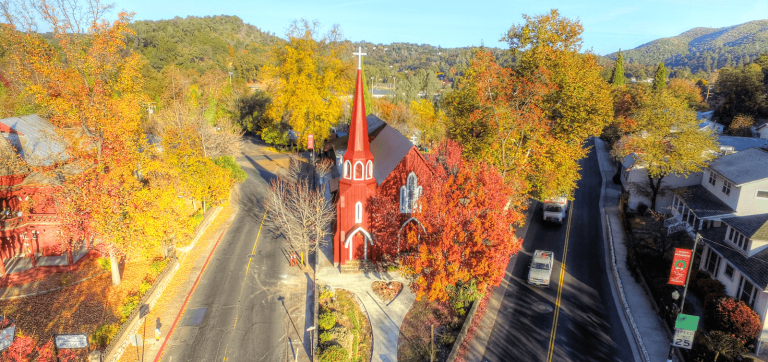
pixel 36 140
pixel 358 147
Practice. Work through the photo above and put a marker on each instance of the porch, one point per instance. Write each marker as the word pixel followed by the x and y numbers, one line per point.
pixel 694 208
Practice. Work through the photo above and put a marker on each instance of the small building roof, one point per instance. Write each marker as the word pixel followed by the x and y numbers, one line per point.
pixel 755 268
pixel 629 161
pixel 35 140
pixel 752 226
pixel 741 143
pixel 743 167
pixel 702 202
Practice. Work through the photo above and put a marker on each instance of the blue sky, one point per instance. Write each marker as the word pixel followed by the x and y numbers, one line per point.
pixel 608 25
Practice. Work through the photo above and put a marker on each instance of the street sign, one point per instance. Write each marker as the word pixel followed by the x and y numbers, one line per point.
pixel 687 322
pixel 683 338
pixel 6 337
pixel 680 263
pixel 311 142
pixel 68 341
pixel 143 311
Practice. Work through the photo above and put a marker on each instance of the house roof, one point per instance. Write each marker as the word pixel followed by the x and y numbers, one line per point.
pixel 36 140
pixel 742 167
pixel 741 143
pixel 752 226
pixel 755 267
pixel 702 202
pixel 629 161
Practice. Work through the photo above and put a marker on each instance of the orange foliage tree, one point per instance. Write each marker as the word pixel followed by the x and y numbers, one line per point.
pixel 468 221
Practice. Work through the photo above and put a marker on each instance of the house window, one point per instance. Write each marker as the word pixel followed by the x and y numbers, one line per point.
pixel 358 212
pixel 747 292
pixel 369 170
pixel 347 169
pixel 730 235
pixel 713 263
pixel 409 194
pixel 762 194
pixel 712 178
pixel 358 170
pixel 727 187
pixel 729 271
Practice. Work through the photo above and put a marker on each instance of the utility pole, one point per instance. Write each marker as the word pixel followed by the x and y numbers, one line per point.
pixel 685 289
pixel 708 88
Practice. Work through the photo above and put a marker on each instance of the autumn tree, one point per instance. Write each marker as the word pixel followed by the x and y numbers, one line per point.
pixel 660 78
pixel 688 92
pixel 735 317
pixel 428 121
pixel 617 76
pixel 468 223
pixel 666 141
pixel 307 78
pixel 741 126
pixel 741 91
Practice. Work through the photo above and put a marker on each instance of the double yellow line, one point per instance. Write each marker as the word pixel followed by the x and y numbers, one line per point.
pixel 551 349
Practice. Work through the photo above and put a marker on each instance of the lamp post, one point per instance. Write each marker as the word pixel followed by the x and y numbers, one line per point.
pixel 230 78
pixel 311 340
pixel 676 295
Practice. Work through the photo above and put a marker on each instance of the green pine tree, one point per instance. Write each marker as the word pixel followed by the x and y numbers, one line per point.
pixel 617 77
pixel 660 79
pixel 366 93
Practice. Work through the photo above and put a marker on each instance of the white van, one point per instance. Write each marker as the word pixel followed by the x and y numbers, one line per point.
pixel 556 209
pixel 541 268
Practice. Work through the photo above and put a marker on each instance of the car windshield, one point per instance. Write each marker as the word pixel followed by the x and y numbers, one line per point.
pixel 553 208
pixel 541 266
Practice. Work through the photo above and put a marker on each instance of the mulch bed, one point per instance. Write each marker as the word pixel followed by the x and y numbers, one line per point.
pixel 414 343
pixel 387 291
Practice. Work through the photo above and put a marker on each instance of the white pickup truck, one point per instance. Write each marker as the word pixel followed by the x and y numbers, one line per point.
pixel 556 209
pixel 541 268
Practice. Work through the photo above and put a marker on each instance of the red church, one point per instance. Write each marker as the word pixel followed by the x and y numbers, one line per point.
pixel 373 160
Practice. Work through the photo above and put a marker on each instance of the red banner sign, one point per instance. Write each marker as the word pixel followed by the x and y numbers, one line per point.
pixel 310 142
pixel 680 264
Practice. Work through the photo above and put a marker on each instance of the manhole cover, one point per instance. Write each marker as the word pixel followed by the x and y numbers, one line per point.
pixel 542 307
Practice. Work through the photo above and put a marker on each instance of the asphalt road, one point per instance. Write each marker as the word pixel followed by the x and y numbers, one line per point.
pixel 589 327
pixel 244 315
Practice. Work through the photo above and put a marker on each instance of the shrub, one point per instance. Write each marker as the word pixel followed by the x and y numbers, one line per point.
pixel 716 346
pixel 197 217
pixel 737 318
pixel 334 354
pixel 326 321
pixel 144 287
pixel 105 264
pixel 447 339
pixel 103 335
pixel 642 208
pixel 325 337
pixel 706 286
pixel 66 280
pixel 157 267
pixel 129 304
pixel 236 172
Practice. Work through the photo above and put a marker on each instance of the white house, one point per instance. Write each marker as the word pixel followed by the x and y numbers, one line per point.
pixel 729 210
pixel 633 173
pixel 760 130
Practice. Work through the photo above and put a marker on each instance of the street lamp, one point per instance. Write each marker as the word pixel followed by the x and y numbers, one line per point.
pixel 311 340
pixel 230 78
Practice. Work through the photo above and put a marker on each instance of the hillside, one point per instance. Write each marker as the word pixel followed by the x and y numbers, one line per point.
pixel 704 49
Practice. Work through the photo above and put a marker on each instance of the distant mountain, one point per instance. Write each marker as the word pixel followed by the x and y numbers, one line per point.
pixel 704 49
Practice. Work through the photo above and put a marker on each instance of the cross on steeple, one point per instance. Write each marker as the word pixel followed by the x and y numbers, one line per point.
pixel 360 57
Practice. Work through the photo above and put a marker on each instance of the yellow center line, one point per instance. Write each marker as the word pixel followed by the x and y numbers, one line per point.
pixel 253 251
pixel 551 349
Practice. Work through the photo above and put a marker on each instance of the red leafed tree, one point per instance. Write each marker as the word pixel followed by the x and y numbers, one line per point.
pixel 21 350
pixel 468 221
pixel 735 317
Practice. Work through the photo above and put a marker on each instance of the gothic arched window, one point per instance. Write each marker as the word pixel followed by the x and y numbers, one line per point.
pixel 358 170
pixel 347 169
pixel 369 170
pixel 358 212
pixel 409 194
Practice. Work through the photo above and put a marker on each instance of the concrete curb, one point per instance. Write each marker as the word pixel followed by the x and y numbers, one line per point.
pixel 463 333
pixel 51 290
pixel 121 341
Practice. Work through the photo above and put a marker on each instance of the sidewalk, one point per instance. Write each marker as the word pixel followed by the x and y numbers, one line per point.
pixel 385 318
pixel 644 322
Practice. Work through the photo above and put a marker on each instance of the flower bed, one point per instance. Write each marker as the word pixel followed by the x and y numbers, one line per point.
pixel 345 331
pixel 387 291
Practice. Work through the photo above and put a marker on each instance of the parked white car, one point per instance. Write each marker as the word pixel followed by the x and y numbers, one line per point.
pixel 556 210
pixel 541 268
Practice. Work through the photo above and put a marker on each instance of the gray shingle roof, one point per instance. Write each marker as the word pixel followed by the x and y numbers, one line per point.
pixel 743 167
pixel 741 143
pixel 37 141
pixel 752 226
pixel 702 202
pixel 755 267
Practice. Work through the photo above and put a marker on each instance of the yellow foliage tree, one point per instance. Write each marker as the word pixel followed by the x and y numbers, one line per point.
pixel 307 80
pixel 429 121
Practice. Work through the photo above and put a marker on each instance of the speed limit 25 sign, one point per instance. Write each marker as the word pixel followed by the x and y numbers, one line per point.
pixel 683 338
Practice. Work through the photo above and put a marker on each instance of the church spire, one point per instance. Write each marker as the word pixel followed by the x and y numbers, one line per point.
pixel 358 147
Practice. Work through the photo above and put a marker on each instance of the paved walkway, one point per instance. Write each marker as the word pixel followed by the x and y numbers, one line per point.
pixel 650 335
pixel 385 318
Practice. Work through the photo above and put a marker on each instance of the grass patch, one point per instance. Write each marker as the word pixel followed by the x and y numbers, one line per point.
pixel 351 330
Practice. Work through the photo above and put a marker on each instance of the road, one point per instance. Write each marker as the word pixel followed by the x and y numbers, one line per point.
pixel 241 300
pixel 588 327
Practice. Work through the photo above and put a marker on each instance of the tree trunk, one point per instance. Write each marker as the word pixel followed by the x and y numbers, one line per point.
pixel 113 261
pixel 717 354
pixel 655 190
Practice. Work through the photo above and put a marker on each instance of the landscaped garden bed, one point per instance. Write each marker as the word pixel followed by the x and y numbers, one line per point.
pixel 386 291
pixel 345 331
pixel 415 343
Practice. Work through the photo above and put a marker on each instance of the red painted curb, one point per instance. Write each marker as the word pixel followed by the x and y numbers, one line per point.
pixel 183 306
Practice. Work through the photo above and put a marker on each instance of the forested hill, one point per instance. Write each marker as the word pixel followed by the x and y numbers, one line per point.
pixel 223 42
pixel 704 49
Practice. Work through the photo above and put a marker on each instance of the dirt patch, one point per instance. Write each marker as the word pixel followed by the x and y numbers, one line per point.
pixel 387 291
pixel 415 343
